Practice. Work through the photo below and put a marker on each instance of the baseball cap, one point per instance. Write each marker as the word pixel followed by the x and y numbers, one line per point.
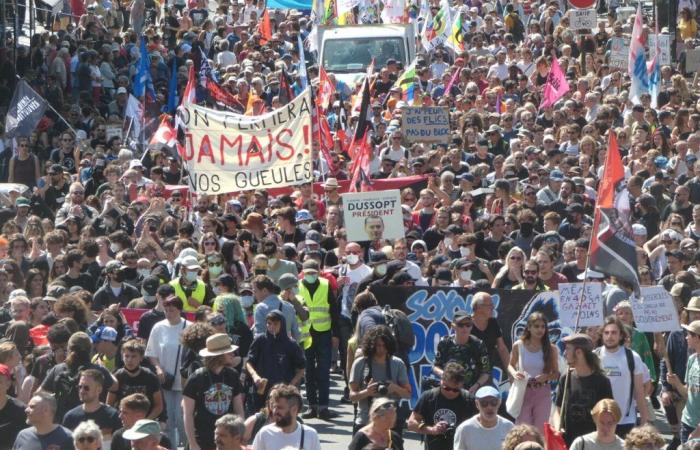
pixel 121 90
pixel 310 266
pixel 460 316
pixel 150 284
pixel 487 391
pixel 556 175
pixel 22 201
pixel 141 429
pixel 287 281
pixel 104 333
pixel 639 230
pixel 579 340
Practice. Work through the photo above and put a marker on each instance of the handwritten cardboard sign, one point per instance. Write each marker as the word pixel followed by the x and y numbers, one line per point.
pixel 664 47
pixel 426 124
pixel 583 19
pixel 591 304
pixel 655 311
pixel 619 52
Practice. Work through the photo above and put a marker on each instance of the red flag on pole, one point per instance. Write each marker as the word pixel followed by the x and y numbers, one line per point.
pixel 612 245
pixel 553 440
pixel 165 134
pixel 326 90
pixel 265 28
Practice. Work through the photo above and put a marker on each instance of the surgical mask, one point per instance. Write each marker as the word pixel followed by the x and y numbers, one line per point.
pixel 381 269
pixel 144 272
pixel 246 301
pixel 311 279
pixel 271 261
pixel 150 299
pixel 465 251
pixel 191 276
pixel 216 290
pixel 352 259
pixel 447 241
pixel 114 248
pixel 215 271
pixel 304 227
pixel 465 275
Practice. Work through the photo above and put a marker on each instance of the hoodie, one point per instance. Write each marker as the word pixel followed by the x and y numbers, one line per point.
pixel 276 357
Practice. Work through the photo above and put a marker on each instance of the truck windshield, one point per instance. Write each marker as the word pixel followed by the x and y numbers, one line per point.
pixel 354 55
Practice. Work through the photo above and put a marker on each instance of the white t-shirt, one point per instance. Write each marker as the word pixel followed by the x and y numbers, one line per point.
pixel 271 437
pixel 471 435
pixel 163 343
pixel 356 276
pixel 615 367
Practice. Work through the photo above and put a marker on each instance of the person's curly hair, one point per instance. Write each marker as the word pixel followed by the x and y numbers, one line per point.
pixel 71 305
pixel 639 437
pixel 522 433
pixel 378 332
pixel 195 336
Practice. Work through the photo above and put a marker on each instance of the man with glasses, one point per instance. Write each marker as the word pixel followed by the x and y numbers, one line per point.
pixel 90 386
pixel 394 151
pixel 63 154
pixel 466 350
pixel 441 409
pixel 486 430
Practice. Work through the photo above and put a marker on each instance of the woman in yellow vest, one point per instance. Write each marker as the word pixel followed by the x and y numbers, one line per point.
pixel 189 287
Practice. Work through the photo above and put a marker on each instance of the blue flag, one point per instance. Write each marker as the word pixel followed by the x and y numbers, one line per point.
pixel 171 106
pixel 143 83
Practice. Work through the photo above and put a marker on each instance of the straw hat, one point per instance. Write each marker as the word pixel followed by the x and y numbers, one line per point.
pixel 218 344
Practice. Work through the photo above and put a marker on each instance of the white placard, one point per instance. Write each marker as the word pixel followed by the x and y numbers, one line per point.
pixel 692 60
pixel 374 215
pixel 591 306
pixel 583 19
pixel 114 130
pixel 664 46
pixel 655 312
pixel 619 52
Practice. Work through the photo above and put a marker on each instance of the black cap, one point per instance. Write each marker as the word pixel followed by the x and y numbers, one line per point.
pixel 150 285
pixel 575 208
pixel 227 280
pixel 377 258
pixel 454 229
pixel 402 277
pixel 443 275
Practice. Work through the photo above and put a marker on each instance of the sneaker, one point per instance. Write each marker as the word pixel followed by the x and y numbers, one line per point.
pixel 310 414
pixel 326 414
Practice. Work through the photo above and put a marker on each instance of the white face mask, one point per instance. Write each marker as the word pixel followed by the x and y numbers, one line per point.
pixel 465 275
pixel 271 261
pixel 465 251
pixel 246 301
pixel 216 290
pixel 352 259
pixel 114 248
pixel 447 241
pixel 304 227
pixel 381 269
pixel 144 272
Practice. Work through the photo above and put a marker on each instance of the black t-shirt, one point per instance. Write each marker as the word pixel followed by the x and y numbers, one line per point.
pixel 145 382
pixel 63 382
pixel 434 408
pixel 571 271
pixel 214 396
pixel 106 417
pixel 360 441
pixel 12 421
pixel 119 443
pixel 489 337
pixel 84 280
pixel 583 394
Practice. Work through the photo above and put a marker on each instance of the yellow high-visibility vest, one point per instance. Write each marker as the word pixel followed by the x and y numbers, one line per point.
pixel 319 309
pixel 200 291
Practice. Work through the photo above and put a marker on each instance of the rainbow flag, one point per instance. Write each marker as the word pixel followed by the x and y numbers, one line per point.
pixel 407 83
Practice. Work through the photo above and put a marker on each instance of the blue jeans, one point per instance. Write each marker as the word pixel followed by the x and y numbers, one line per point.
pixel 686 430
pixel 318 369
pixel 176 424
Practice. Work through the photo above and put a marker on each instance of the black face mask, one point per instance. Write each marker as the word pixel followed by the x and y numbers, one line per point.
pixel 169 231
pixel 119 276
pixel 260 272
pixel 526 229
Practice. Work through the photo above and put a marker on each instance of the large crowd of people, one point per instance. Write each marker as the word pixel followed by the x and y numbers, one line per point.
pixel 140 314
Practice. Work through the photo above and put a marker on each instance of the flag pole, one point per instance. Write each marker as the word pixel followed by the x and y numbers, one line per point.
pixel 49 105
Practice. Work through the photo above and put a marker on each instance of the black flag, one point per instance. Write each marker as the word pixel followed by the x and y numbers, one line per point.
pixel 26 110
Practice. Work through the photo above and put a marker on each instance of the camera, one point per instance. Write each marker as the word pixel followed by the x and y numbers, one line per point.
pixel 450 429
pixel 383 389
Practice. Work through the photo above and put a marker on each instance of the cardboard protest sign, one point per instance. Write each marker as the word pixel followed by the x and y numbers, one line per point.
pixel 570 295
pixel 583 19
pixel 664 47
pixel 229 152
pixel 426 124
pixel 373 215
pixel 619 52
pixel 655 311
pixel 692 60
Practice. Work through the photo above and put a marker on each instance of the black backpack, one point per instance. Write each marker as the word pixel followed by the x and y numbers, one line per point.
pixel 400 327
pixel 66 385
pixel 630 366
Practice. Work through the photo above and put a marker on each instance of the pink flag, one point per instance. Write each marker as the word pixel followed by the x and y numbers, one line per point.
pixel 555 87
pixel 452 80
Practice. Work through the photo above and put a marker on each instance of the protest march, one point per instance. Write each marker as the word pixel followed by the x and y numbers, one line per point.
pixel 361 224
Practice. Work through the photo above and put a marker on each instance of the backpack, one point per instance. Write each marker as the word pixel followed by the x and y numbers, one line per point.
pixel 630 365
pixel 66 385
pixel 518 30
pixel 400 327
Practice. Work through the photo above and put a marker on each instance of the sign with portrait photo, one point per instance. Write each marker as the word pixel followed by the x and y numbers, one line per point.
pixel 373 215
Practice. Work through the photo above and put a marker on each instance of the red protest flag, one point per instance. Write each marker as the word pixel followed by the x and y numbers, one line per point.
pixel 165 134
pixel 326 90
pixel 612 245
pixel 265 28
pixel 553 440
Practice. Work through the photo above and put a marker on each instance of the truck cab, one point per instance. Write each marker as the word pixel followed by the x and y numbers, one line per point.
pixel 346 51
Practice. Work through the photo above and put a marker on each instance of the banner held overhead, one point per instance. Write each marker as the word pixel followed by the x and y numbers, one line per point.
pixel 229 152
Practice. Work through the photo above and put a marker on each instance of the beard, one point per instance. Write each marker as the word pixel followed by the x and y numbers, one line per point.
pixel 284 421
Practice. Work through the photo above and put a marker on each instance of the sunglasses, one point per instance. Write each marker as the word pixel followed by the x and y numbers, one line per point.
pixel 210 243
pixel 465 325
pixel 88 439
pixel 486 402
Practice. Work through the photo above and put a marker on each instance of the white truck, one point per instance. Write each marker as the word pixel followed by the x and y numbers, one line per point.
pixel 346 51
